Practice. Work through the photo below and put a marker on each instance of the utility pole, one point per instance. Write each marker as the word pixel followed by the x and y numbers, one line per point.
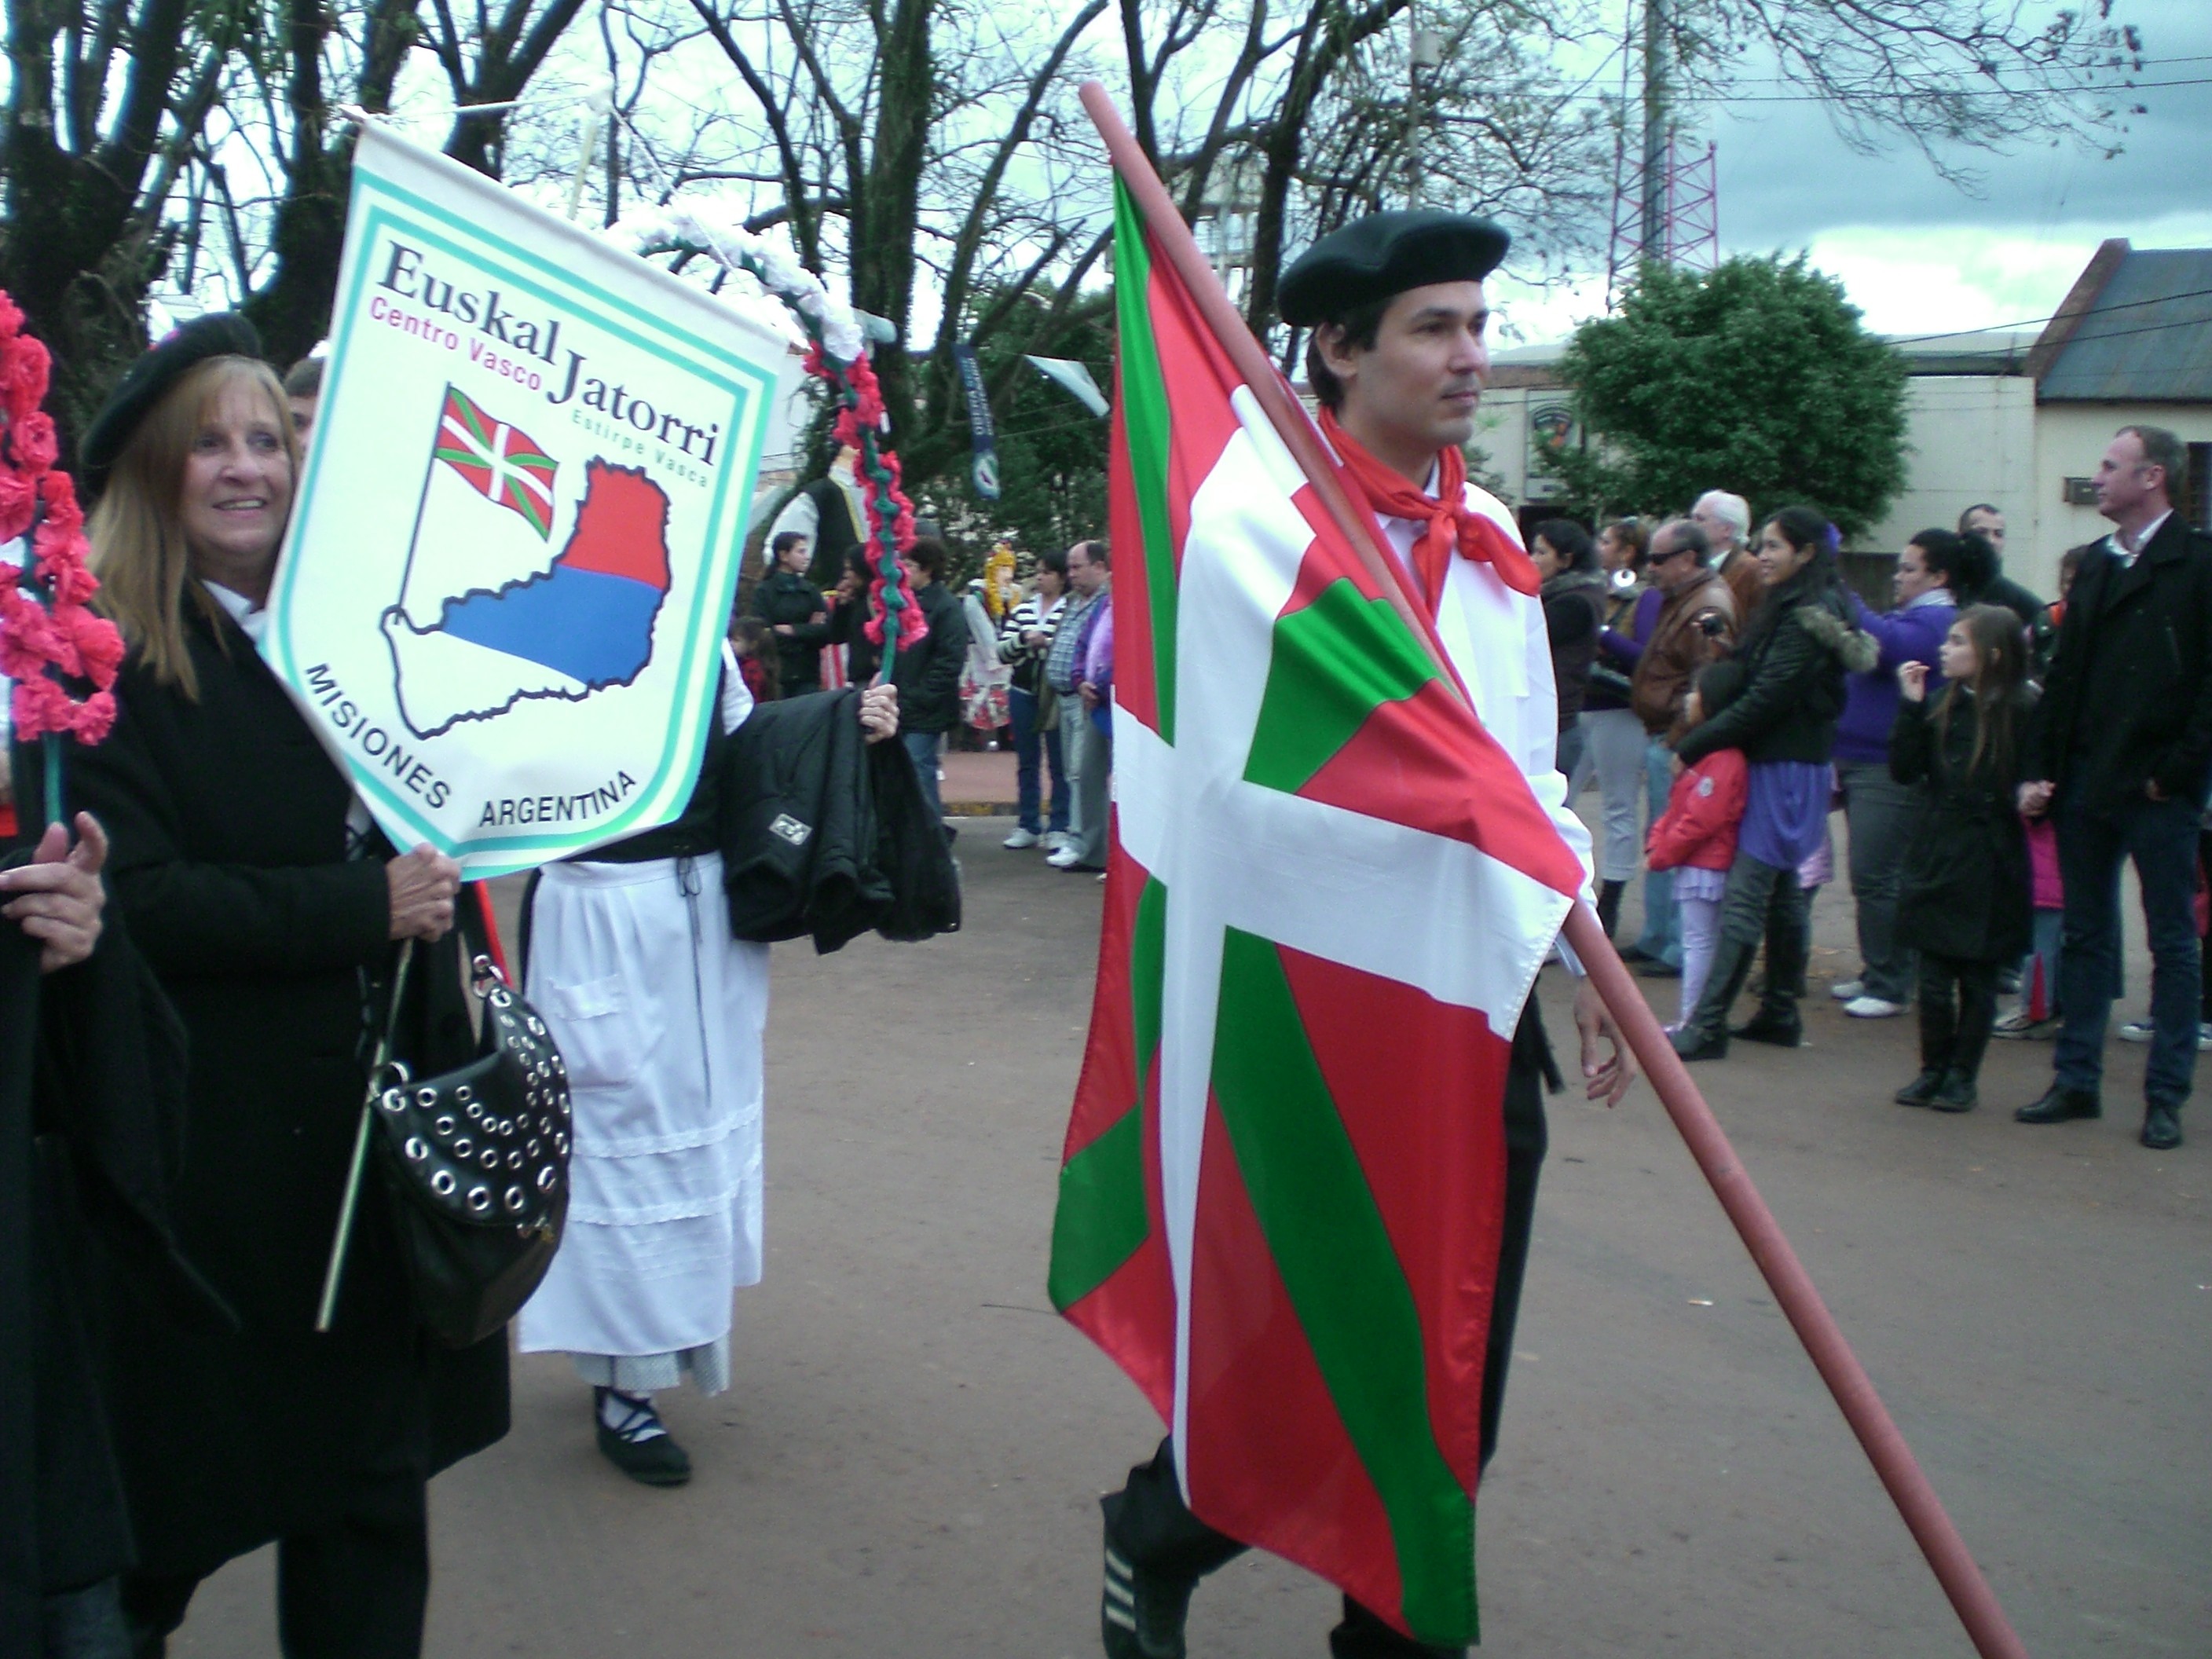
pixel 1427 53
pixel 1656 115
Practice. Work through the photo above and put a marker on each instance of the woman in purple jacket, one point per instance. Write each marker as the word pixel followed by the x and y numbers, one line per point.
pixel 1882 813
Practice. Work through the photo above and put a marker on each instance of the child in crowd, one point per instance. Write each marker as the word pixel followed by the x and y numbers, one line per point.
pixel 2037 1017
pixel 1695 837
pixel 749 638
pixel 1963 902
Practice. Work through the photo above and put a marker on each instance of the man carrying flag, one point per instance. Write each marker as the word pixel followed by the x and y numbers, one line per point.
pixel 1337 1141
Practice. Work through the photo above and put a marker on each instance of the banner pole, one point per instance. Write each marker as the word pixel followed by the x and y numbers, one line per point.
pixel 1901 1476
pixel 1900 1472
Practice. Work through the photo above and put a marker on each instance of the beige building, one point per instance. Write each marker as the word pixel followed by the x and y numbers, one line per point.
pixel 2018 419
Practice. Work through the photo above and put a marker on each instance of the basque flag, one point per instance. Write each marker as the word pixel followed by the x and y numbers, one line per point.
pixel 500 461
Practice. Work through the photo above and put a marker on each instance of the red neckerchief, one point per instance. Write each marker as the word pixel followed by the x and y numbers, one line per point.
pixel 1452 524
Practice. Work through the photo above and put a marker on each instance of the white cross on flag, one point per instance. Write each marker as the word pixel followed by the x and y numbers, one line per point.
pixel 1329 893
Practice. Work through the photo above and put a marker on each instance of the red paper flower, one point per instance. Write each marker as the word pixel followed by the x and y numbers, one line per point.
pixel 45 631
pixel 23 369
pixel 33 442
pixel 19 501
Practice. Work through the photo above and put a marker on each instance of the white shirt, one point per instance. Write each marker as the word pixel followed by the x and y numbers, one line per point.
pixel 2125 554
pixel 1496 639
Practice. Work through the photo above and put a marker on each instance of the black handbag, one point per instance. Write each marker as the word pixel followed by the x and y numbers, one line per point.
pixel 477 1161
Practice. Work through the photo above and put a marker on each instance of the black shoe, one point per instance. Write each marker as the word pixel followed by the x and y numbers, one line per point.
pixel 2161 1129
pixel 1957 1094
pixel 2060 1105
pixel 1141 1614
pixel 1632 954
pixel 632 1446
pixel 1922 1089
pixel 1688 1047
pixel 1782 1031
pixel 1653 967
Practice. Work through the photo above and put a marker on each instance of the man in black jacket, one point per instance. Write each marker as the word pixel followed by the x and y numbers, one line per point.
pixel 927 675
pixel 2122 751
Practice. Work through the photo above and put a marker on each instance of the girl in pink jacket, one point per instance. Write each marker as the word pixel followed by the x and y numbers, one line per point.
pixel 1695 837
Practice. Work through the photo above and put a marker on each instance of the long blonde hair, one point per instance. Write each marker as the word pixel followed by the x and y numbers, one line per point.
pixel 137 532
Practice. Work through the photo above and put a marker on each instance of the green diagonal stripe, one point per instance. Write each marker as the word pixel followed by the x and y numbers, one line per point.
pixel 1145 430
pixel 1334 661
pixel 1101 1221
pixel 1354 1304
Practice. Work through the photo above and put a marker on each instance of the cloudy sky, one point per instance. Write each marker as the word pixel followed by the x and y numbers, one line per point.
pixel 1918 254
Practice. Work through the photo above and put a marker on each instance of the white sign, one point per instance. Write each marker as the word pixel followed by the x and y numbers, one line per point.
pixel 507 576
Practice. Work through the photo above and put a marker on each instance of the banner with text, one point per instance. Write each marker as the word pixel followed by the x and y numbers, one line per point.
pixel 511 562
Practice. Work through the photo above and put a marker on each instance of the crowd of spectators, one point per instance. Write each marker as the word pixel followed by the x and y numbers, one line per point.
pixel 1995 760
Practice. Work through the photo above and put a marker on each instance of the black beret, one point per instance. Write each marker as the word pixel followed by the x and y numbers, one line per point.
pixel 146 382
pixel 1387 253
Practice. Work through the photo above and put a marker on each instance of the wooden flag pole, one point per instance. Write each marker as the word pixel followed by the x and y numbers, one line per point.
pixel 1900 1473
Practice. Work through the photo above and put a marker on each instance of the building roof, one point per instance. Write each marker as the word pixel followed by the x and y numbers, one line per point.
pixel 2136 329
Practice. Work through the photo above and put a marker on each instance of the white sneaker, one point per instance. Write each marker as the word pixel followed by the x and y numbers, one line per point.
pixel 2204 1037
pixel 1053 840
pixel 2137 1030
pixel 1020 838
pixel 1849 990
pixel 1063 857
pixel 1873 1008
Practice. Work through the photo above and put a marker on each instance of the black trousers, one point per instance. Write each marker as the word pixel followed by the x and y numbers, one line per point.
pixel 354 1590
pixel 1958 1008
pixel 1149 1525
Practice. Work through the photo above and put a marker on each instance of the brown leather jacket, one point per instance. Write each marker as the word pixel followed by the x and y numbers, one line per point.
pixel 1680 646
pixel 1747 583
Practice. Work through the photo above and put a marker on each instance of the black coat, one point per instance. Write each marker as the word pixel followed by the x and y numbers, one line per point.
pixel 1967 886
pixel 92 1111
pixel 2129 697
pixel 823 833
pixel 785 597
pixel 927 675
pixel 227 821
pixel 1574 610
pixel 1793 691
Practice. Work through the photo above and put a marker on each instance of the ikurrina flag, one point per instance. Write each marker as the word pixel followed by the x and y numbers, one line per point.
pixel 1329 893
pixel 500 461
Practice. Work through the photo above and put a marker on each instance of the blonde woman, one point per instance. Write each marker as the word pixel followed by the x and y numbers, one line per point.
pixel 269 909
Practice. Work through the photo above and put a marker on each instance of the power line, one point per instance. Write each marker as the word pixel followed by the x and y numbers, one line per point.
pixel 2036 322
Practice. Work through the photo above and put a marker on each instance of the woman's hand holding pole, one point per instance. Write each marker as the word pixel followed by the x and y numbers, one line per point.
pixel 423 884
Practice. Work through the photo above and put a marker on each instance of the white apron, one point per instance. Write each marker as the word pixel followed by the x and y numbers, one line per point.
pixel 660 1015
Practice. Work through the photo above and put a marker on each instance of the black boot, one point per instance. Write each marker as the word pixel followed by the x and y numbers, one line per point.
pixel 1939 1033
pixel 1922 1089
pixel 1704 1034
pixel 1957 1094
pixel 1775 1022
pixel 2060 1104
pixel 1608 905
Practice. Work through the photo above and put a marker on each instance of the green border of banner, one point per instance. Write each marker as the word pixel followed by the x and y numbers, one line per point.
pixel 692 352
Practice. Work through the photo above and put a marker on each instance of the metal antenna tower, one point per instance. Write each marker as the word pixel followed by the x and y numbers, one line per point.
pixel 1666 205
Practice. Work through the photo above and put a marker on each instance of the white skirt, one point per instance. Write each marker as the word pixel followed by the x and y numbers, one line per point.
pixel 660 1015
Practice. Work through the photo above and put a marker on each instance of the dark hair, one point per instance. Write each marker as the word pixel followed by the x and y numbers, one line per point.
pixel 1717 685
pixel 1571 542
pixel 1686 533
pixel 1362 326
pixel 2165 450
pixel 784 542
pixel 1097 553
pixel 1978 506
pixel 304 379
pixel 2000 666
pixel 1976 567
pixel 749 632
pixel 927 555
pixel 1804 529
pixel 2070 561
pixel 856 560
pixel 1054 559
pixel 1944 555
pixel 1631 534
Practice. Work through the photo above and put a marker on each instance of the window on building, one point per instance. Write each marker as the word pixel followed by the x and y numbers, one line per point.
pixel 2199 505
